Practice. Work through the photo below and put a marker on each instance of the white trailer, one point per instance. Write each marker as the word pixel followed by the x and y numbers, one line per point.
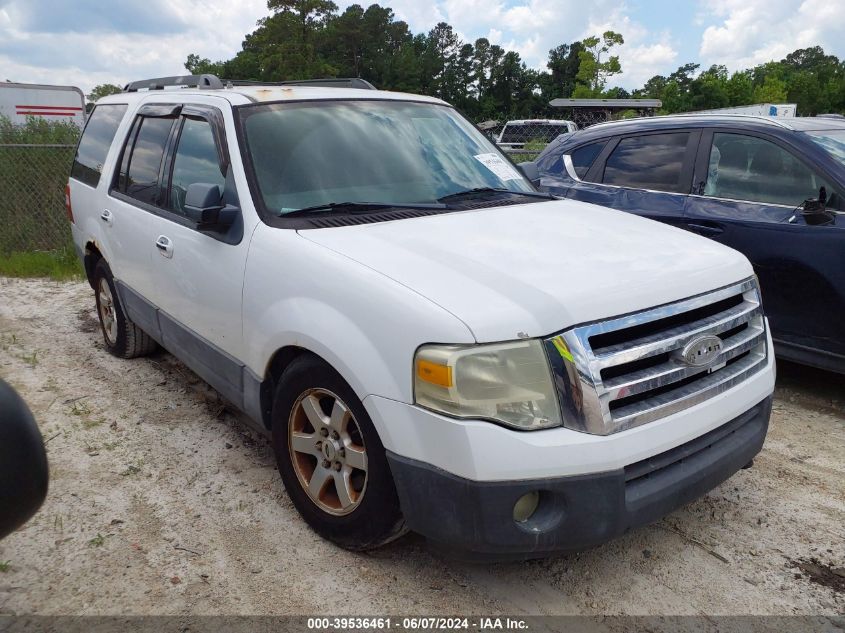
pixel 758 109
pixel 53 103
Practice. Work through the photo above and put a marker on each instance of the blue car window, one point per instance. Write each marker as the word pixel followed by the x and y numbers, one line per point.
pixel 584 157
pixel 754 169
pixel 653 161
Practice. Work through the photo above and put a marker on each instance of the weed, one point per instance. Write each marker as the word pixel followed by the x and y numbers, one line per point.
pixel 132 469
pixel 5 566
pixel 91 424
pixel 30 359
pixel 61 265
pixel 97 541
pixel 79 408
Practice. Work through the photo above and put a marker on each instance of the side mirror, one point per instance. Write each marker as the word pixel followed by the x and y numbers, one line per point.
pixel 531 171
pixel 203 205
pixel 814 211
pixel 23 463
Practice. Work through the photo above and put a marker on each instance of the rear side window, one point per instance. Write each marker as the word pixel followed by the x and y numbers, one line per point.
pixel 140 172
pixel 584 157
pixel 95 142
pixel 654 161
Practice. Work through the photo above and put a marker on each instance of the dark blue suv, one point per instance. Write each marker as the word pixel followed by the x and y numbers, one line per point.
pixel 739 180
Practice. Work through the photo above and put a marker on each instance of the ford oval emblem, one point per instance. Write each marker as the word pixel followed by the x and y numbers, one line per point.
pixel 702 350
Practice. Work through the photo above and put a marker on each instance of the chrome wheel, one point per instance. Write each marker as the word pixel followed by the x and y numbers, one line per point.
pixel 327 451
pixel 107 311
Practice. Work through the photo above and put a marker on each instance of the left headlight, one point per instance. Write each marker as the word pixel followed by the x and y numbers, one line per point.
pixel 510 383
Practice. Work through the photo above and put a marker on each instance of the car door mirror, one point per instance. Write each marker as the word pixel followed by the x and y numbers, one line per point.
pixel 204 205
pixel 530 170
pixel 23 462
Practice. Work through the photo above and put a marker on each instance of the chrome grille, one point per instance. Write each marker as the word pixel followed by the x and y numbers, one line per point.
pixel 620 373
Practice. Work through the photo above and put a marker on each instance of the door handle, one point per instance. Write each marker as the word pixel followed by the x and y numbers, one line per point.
pixel 705 229
pixel 164 246
pixel 107 217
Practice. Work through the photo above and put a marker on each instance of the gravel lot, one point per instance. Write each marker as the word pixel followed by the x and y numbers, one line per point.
pixel 162 502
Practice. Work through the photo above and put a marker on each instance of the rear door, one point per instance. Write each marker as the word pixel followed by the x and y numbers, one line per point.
pixel 647 174
pixel 749 189
pixel 135 193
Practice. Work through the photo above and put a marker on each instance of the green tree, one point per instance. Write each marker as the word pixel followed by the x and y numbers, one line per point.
pixel 102 90
pixel 772 90
pixel 593 73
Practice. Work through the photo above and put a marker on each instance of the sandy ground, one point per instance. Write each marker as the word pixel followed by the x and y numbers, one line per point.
pixel 162 502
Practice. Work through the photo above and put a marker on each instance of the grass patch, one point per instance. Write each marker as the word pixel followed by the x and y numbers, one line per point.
pixel 59 265
pixel 5 566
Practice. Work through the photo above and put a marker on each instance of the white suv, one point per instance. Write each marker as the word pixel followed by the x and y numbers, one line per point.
pixel 431 343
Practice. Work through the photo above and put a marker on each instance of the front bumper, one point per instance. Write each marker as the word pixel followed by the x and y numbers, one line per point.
pixel 575 512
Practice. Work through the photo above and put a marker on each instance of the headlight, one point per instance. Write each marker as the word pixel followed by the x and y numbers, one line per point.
pixel 509 383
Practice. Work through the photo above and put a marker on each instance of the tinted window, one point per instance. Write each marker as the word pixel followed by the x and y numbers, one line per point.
pixel 584 157
pixel 748 168
pixel 146 157
pixel 195 161
pixel 95 142
pixel 654 162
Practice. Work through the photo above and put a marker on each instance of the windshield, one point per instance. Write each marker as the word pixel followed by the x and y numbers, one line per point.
pixel 831 140
pixel 315 153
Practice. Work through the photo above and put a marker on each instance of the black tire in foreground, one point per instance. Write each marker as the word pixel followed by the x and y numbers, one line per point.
pixel 122 337
pixel 331 459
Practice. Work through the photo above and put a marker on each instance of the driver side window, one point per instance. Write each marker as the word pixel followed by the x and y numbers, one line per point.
pixel 754 169
pixel 195 161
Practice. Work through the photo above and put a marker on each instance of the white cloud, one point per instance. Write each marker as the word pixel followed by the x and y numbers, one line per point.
pixel 533 27
pixel 86 54
pixel 84 51
pixel 751 32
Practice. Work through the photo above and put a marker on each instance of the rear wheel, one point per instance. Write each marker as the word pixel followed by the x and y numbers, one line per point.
pixel 122 337
pixel 331 459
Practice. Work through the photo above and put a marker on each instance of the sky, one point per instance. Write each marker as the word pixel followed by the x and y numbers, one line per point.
pixel 89 42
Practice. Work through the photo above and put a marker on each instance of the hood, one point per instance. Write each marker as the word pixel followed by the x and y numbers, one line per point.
pixel 538 268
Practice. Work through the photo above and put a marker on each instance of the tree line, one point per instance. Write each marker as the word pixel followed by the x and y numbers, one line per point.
pixel 312 38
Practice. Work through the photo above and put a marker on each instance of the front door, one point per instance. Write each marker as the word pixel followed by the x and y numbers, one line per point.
pixel 749 196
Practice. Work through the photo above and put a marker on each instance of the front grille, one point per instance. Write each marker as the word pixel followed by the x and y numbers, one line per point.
pixel 632 370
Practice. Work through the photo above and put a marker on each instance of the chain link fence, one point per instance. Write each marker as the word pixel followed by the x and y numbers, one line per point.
pixel 32 197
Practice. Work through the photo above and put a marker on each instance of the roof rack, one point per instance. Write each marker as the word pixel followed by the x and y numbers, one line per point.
pixel 328 82
pixel 187 81
pixel 212 82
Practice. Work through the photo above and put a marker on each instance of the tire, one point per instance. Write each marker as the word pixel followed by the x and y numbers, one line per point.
pixel 318 420
pixel 122 337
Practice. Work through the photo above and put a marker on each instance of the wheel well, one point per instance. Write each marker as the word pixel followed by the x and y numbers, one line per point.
pixel 275 368
pixel 92 256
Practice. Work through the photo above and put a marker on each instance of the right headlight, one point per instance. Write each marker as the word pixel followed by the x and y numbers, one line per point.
pixel 509 383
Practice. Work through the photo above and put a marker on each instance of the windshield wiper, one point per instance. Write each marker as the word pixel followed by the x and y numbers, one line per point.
pixel 476 190
pixel 359 207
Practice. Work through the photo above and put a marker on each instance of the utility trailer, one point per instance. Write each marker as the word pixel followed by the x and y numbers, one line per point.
pixel 53 103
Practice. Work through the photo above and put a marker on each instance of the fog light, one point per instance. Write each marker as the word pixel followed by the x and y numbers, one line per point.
pixel 525 506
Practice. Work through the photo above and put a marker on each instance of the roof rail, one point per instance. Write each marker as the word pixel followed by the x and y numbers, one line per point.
pixel 212 82
pixel 693 115
pixel 188 81
pixel 328 82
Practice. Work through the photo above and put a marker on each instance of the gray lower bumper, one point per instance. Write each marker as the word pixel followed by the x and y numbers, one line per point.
pixel 574 513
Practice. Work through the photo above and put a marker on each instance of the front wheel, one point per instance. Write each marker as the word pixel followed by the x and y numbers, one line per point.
pixel 331 459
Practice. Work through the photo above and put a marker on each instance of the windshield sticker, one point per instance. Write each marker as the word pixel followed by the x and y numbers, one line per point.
pixel 499 166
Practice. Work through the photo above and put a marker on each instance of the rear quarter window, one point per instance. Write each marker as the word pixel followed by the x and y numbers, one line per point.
pixel 95 143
